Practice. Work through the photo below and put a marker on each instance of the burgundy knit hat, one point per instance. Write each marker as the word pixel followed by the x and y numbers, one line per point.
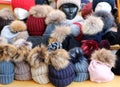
pixel 36 26
pixel 26 4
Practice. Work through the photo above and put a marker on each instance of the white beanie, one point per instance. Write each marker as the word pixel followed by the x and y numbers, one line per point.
pixel 40 74
pixel 76 2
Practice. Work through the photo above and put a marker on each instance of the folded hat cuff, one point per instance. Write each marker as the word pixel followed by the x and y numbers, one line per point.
pixel 42 79
pixel 6 79
pixel 62 82
pixel 25 76
pixel 79 77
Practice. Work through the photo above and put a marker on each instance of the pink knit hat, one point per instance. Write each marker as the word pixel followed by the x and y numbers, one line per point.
pixel 100 72
pixel 25 4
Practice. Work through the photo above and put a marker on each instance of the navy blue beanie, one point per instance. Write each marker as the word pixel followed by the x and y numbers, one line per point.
pixel 62 77
pixel 6 72
pixel 80 64
pixel 111 2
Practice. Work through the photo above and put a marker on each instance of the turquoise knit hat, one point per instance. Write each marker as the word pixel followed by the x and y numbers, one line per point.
pixel 6 72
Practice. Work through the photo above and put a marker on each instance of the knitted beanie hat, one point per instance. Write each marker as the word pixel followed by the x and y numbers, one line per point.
pixel 22 71
pixel 6 72
pixel 54 46
pixel 111 2
pixel 25 4
pixel 100 72
pixel 76 2
pixel 36 21
pixel 86 10
pixel 104 44
pixel 14 31
pixel 62 77
pixel 39 69
pixel 80 63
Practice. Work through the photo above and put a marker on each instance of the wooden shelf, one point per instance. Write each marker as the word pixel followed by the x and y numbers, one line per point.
pixel 5 1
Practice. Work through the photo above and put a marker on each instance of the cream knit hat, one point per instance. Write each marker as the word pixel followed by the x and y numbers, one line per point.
pixel 76 2
pixel 40 74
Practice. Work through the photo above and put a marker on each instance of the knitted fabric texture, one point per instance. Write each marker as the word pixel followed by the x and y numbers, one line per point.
pixel 80 63
pixel 6 72
pixel 25 4
pixel 62 77
pixel 100 72
pixel 76 2
pixel 40 74
pixel 22 71
pixel 36 26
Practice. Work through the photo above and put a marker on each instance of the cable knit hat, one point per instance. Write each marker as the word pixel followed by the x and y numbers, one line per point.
pixel 14 31
pixel 61 2
pixel 36 21
pixel 80 64
pixel 61 71
pixel 96 2
pixel 39 69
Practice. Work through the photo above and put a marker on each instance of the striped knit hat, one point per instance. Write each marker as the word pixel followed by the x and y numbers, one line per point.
pixel 80 64
pixel 76 2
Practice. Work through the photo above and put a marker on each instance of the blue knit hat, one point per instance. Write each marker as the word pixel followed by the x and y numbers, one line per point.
pixel 111 2
pixel 54 46
pixel 6 72
pixel 80 64
pixel 62 77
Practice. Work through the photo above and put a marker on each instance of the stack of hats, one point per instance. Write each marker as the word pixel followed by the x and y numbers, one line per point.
pixel 6 17
pixel 61 71
pixel 16 30
pixel 36 21
pixel 6 66
pixel 80 64
pixel 100 66
pixel 21 8
pixel 22 68
pixel 104 4
pixel 39 69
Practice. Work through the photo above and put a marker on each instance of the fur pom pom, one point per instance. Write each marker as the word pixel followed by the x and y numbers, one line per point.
pixel 6 14
pixel 59 58
pixel 7 52
pixel 37 55
pixel 40 10
pixel 60 33
pixel 18 26
pixel 92 25
pixel 55 16
pixel 105 56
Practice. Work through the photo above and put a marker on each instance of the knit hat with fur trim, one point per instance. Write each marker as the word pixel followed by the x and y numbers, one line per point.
pixel 80 63
pixel 36 21
pixel 111 2
pixel 61 71
pixel 14 31
pixel 76 2
pixel 39 69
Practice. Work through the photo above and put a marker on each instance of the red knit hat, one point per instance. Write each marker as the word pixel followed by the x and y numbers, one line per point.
pixel 87 10
pixel 36 26
pixel 26 4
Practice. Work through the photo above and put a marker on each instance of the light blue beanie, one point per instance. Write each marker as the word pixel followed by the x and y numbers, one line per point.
pixel 6 72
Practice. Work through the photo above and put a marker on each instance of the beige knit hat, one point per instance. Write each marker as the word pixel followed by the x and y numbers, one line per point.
pixel 40 74
pixel 76 2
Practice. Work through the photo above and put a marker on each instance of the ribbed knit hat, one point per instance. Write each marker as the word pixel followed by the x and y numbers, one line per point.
pixel 6 72
pixel 80 63
pixel 62 77
pixel 76 2
pixel 14 31
pixel 22 71
pixel 40 74
pixel 25 4
pixel 36 21
pixel 111 2
pixel 100 72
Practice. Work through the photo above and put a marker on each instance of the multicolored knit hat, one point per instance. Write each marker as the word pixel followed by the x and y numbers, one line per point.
pixel 76 2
